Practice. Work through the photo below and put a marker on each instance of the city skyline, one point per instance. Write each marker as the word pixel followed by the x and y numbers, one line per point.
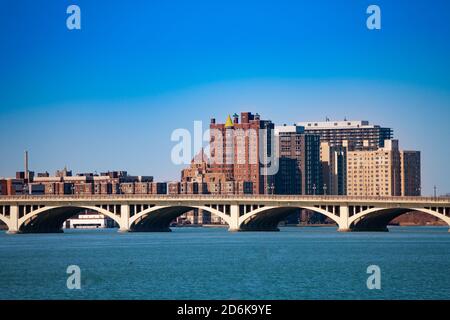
pixel 218 157
pixel 249 155
pixel 101 99
pixel 181 167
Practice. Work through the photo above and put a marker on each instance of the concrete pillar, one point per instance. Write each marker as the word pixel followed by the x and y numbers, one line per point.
pixel 344 225
pixel 234 218
pixel 13 226
pixel 124 218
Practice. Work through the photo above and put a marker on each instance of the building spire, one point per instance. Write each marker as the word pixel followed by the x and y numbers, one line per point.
pixel 229 122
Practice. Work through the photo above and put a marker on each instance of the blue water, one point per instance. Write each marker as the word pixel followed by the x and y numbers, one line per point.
pixel 211 263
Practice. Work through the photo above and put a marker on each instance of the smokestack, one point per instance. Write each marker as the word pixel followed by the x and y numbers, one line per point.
pixel 26 165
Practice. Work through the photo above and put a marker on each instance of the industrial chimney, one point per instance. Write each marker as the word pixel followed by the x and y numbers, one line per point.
pixel 26 165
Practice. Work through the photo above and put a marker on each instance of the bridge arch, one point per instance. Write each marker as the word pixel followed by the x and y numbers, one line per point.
pixel 5 220
pixel 377 219
pixel 158 218
pixel 267 218
pixel 50 219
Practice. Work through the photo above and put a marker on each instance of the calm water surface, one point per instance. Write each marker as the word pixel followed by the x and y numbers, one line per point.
pixel 211 263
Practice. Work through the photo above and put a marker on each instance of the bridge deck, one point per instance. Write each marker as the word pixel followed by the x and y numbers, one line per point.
pixel 238 198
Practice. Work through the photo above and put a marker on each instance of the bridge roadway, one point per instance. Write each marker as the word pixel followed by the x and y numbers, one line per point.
pixel 147 213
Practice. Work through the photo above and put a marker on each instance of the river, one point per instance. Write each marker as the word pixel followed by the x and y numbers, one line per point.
pixel 211 263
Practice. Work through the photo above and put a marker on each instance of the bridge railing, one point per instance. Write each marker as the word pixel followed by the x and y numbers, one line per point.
pixel 214 197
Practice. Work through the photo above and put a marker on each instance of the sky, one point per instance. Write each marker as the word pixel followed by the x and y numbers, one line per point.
pixel 108 96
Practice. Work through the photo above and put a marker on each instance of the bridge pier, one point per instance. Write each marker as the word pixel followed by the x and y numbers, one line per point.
pixel 124 225
pixel 343 223
pixel 13 226
pixel 234 218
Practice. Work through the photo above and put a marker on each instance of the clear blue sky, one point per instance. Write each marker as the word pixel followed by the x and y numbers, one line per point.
pixel 109 96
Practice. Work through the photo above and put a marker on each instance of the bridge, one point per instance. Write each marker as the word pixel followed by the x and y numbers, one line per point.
pixel 148 213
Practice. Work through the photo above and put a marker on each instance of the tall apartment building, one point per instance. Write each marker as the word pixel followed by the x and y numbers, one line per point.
pixel 357 133
pixel 299 161
pixel 334 168
pixel 240 149
pixel 410 173
pixel 374 172
pixel 234 166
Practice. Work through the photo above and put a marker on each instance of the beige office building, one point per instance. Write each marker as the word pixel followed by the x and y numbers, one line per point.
pixel 375 172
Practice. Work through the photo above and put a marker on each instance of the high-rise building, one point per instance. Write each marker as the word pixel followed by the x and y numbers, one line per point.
pixel 299 161
pixel 240 150
pixel 374 172
pixel 360 134
pixel 334 168
pixel 410 173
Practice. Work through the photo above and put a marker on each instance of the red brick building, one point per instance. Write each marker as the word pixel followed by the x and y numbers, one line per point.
pixel 239 150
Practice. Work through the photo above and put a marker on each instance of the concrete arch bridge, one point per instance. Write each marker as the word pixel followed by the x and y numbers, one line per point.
pixel 147 213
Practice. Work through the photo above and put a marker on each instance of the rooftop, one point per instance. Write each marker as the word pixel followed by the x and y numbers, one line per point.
pixel 347 124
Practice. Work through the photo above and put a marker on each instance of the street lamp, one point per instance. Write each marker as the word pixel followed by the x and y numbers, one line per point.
pixel 325 189
pixel 314 189
pixel 272 188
